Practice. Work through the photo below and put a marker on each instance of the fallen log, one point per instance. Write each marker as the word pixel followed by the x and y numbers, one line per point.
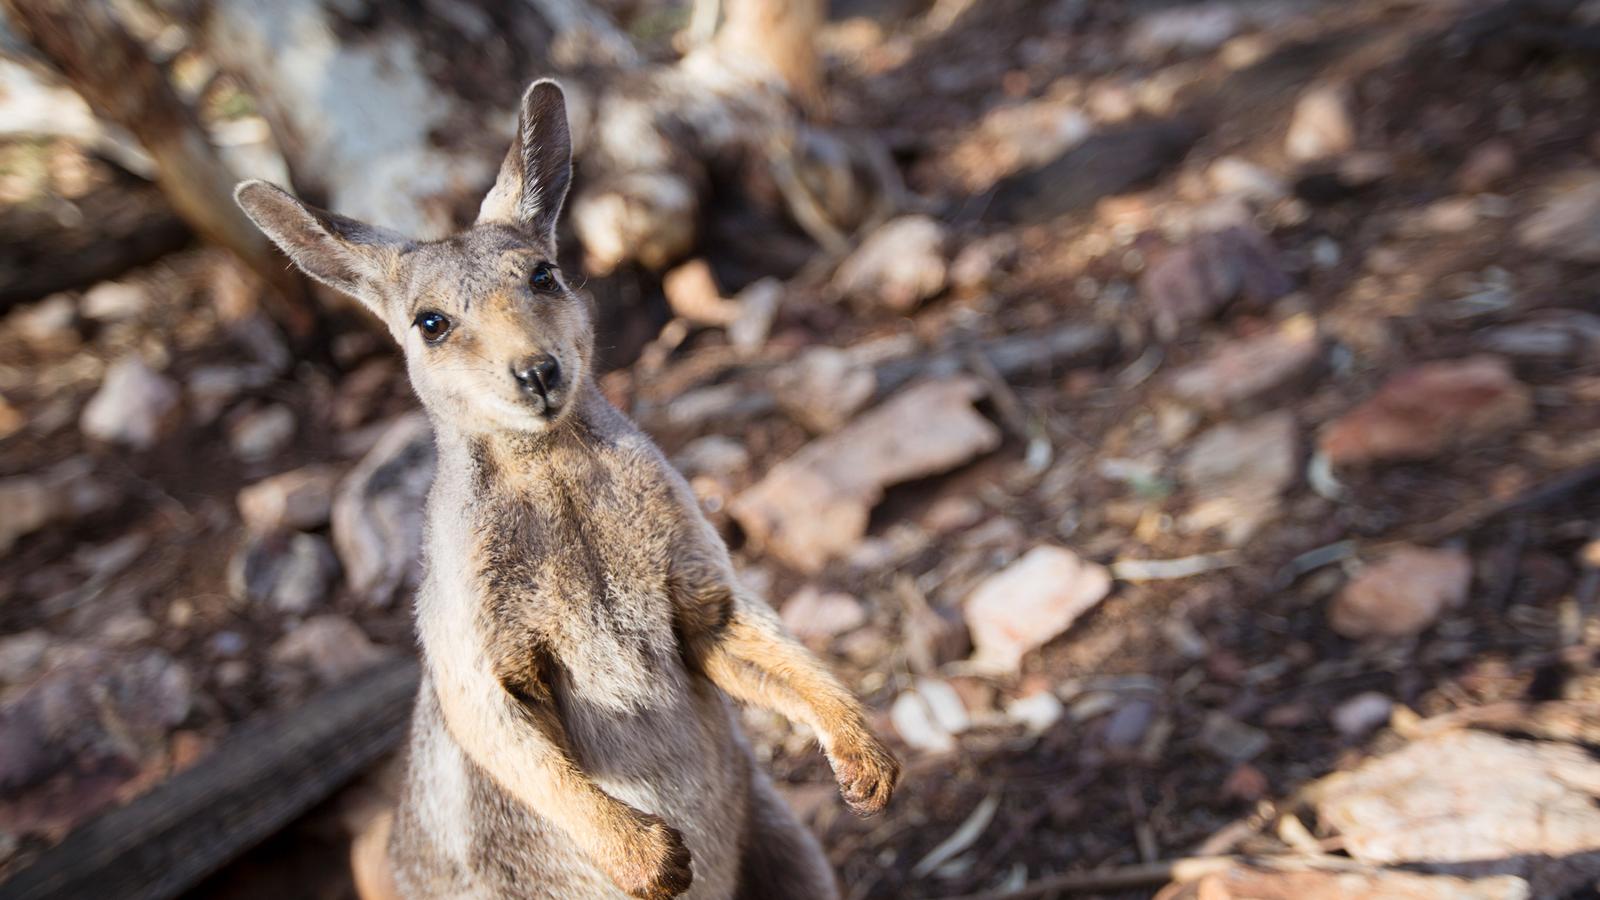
pixel 263 776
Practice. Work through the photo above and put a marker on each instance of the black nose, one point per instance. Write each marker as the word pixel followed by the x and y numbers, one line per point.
pixel 537 374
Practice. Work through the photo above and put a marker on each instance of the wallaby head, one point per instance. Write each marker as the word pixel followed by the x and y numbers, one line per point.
pixel 494 339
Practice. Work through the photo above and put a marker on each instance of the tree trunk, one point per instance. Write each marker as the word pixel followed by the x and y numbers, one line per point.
pixel 97 56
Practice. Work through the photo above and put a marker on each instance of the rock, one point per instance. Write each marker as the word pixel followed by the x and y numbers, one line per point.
pixel 713 455
pixel 1473 804
pixel 1245 369
pixel 51 323
pixel 21 655
pixel 1026 604
pixel 815 505
pixel 96 707
pixel 1192 28
pixel 1233 176
pixel 1231 739
pixel 975 266
pixel 261 434
pixel 811 614
pixel 1424 411
pixel 1567 225
pixel 1016 136
pixel 377 512
pixel 299 500
pixel 1549 335
pixel 290 572
pixel 1321 125
pixel 1489 164
pixel 1194 282
pixel 331 646
pixel 1246 784
pixel 1128 723
pixel 1362 714
pixel 898 266
pixel 824 388
pixel 758 309
pixel 212 388
pixel 1240 880
pixel 66 491
pixel 1106 164
pixel 1238 472
pixel 1402 594
pixel 114 301
pixel 134 406
pixel 1037 712
pixel 692 294
pixel 929 716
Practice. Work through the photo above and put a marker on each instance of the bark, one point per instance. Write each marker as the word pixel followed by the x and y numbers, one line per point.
pixel 382 117
pixel 84 41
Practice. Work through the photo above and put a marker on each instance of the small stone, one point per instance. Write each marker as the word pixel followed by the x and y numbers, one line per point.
pixel 1037 712
pixel 714 455
pixel 291 573
pixel 331 646
pixel 929 716
pixel 1423 411
pixel 1245 369
pixel 261 434
pixel 134 406
pixel 114 301
pixel 692 293
pixel 1128 723
pixel 1246 784
pixel 12 419
pixel 1237 177
pixel 1489 164
pixel 824 388
pixel 951 514
pixel 1403 594
pixel 898 266
pixel 817 615
pixel 377 512
pixel 975 266
pixel 1567 225
pixel 212 388
pixel 49 323
pixel 1550 335
pixel 1194 282
pixel 299 500
pixel 1321 125
pixel 758 309
pixel 1231 739
pixel 1238 472
pixel 1361 714
pixel 1026 604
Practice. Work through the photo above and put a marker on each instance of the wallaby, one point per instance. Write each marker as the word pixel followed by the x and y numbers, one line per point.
pixel 581 623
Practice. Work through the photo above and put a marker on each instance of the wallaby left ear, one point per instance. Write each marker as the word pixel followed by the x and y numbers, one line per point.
pixel 537 171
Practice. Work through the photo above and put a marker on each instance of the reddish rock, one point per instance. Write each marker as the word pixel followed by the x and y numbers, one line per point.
pixel 1403 594
pixel 1424 411
pixel 1024 605
pixel 1194 282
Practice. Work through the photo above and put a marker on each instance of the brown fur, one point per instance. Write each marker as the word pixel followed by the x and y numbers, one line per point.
pixel 580 620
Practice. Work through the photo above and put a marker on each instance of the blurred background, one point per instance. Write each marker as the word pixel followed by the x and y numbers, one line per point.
pixel 1178 420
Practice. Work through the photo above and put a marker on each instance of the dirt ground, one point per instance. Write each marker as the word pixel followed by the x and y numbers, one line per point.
pixel 1191 710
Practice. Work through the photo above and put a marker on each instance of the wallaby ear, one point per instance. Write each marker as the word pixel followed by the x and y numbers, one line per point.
pixel 534 178
pixel 337 251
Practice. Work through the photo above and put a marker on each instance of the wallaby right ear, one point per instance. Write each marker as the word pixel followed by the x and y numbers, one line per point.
pixel 351 256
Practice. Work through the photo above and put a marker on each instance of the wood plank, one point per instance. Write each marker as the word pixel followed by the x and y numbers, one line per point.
pixel 262 777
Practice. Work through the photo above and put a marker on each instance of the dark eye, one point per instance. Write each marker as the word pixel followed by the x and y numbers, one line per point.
pixel 434 326
pixel 543 280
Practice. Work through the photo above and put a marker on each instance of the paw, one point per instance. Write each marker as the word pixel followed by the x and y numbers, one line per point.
pixel 867 773
pixel 659 865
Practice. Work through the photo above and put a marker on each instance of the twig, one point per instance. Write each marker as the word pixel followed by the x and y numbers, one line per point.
pixel 1182 870
pixel 1535 498
pixel 1170 569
